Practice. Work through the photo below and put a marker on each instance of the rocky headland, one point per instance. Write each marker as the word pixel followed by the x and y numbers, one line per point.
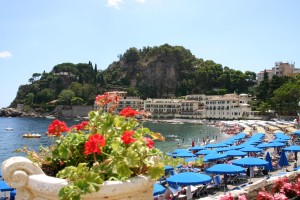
pixel 13 112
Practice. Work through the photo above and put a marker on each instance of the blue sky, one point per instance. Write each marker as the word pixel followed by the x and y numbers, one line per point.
pixel 241 34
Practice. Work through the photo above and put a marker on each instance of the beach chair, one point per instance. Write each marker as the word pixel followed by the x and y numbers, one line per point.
pixel 233 179
pixel 217 183
pixel 202 190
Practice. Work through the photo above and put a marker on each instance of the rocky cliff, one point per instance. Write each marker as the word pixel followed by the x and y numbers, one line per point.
pixel 161 70
pixel 11 112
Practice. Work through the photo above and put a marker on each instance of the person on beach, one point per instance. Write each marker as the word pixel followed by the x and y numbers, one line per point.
pixel 193 143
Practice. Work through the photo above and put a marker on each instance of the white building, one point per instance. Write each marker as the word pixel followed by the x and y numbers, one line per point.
pixel 162 107
pixel 229 106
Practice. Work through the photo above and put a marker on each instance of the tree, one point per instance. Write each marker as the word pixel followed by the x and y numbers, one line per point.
pixel 66 96
pixel 286 97
pixel 77 101
pixel 131 55
pixel 29 98
pixel 45 95
pixel 76 88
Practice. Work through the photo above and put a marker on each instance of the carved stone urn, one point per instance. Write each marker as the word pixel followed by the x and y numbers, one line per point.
pixel 32 183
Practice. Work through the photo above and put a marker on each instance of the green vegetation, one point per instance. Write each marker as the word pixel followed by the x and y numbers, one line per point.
pixel 155 72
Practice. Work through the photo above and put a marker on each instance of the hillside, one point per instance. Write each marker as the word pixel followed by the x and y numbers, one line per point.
pixel 156 72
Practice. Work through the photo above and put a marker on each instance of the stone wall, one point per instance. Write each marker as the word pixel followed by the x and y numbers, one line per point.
pixel 76 111
pixel 73 111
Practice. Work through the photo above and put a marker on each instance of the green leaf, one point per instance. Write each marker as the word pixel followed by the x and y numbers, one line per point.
pixel 157 171
pixel 123 170
pixel 133 158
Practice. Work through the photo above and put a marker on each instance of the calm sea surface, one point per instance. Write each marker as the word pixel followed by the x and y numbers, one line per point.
pixel 174 134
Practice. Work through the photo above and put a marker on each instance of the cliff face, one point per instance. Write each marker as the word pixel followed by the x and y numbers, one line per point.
pixel 160 73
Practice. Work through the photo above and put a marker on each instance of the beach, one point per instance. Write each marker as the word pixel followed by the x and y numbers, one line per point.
pixel 251 129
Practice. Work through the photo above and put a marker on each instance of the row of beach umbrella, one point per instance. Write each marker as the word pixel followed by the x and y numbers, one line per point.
pixel 211 153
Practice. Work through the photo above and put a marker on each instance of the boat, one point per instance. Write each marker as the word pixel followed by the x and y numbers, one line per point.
pixel 49 117
pixel 31 135
pixel 9 129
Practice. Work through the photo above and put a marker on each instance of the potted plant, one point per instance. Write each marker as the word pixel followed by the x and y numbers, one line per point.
pixel 94 159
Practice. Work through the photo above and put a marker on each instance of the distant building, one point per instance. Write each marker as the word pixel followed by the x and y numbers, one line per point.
pixel 228 106
pixel 196 106
pixel 163 108
pixel 280 69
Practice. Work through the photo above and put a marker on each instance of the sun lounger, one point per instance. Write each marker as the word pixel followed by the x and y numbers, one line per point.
pixel 233 179
pixel 202 190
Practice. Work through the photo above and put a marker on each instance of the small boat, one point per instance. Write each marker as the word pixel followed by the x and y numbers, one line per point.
pixel 50 117
pixel 31 135
pixel 9 129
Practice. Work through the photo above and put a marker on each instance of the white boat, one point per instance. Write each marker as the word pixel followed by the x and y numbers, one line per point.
pixel 31 135
pixel 49 117
pixel 9 129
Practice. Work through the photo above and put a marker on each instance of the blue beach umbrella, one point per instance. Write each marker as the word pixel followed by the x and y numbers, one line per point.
pixel 296 132
pixel 213 156
pixel 176 151
pixel 250 162
pixel 275 144
pixel 225 169
pixel 234 147
pixel 269 166
pixel 244 145
pixel 205 152
pixel 221 149
pixel 4 187
pixel 211 146
pixel 234 153
pixel 262 145
pixel 184 155
pixel 283 160
pixel 229 141
pixel 168 168
pixel 196 148
pixel 251 149
pixel 188 178
pixel 168 154
pixel 158 189
pixel 240 135
pixel 292 148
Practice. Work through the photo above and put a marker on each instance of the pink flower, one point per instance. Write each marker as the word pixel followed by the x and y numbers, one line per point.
pixel 263 195
pixel 243 197
pixel 280 196
pixel 227 197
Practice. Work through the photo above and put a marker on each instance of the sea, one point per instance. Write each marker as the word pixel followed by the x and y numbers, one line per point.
pixel 177 135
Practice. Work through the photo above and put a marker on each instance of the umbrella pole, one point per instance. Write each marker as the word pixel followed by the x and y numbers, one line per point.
pixel 225 183
pixel 189 193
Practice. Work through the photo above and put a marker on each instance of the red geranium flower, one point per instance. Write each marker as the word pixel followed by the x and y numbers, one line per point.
pixel 80 126
pixel 94 144
pixel 149 142
pixel 127 137
pixel 57 127
pixel 128 112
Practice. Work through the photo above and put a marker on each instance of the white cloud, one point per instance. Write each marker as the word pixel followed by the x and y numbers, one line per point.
pixel 114 3
pixel 5 54
pixel 141 1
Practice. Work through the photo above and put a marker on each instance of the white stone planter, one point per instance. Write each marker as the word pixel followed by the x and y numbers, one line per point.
pixel 31 183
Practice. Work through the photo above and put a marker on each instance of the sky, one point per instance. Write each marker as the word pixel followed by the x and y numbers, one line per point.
pixel 244 35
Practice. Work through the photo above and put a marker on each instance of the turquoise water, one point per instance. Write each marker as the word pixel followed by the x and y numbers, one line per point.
pixel 174 134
